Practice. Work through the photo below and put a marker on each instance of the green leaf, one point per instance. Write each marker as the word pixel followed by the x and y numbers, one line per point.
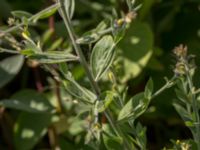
pixel 78 91
pixel 29 129
pixel 20 14
pixel 184 114
pixel 55 44
pixel 93 35
pixel 182 96
pixel 141 136
pixel 149 89
pixel 47 36
pixel 69 7
pixel 106 99
pixel 29 101
pixel 31 46
pixel 46 12
pixel 137 49
pixel 9 68
pixel 53 57
pixel 102 56
pixel 111 141
pixel 135 107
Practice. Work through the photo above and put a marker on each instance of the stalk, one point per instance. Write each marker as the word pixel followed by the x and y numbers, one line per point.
pixel 83 62
pixel 195 111
pixel 168 84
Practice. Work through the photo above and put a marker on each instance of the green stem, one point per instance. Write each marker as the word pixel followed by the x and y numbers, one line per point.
pixel 77 47
pixel 168 84
pixel 83 61
pixel 8 51
pixel 195 110
pixel 31 19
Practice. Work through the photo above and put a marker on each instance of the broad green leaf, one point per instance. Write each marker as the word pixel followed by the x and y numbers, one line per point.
pixel 46 12
pixel 148 89
pixel 29 101
pixel 29 129
pixel 9 68
pixel 102 56
pixel 53 57
pixel 135 107
pixel 20 14
pixel 137 49
pixel 93 35
pixel 106 99
pixel 78 91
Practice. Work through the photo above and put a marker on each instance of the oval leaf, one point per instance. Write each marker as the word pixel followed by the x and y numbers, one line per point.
pixel 9 67
pixel 137 49
pixel 102 56
pixel 78 91
pixel 135 107
pixel 29 101
pixel 29 129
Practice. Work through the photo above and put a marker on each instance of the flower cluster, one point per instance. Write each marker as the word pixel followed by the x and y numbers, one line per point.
pixel 184 63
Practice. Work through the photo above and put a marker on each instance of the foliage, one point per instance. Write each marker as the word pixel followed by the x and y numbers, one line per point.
pixel 87 75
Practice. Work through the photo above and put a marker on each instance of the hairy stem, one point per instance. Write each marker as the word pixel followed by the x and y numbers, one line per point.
pixel 195 110
pixel 77 47
pixel 83 61
pixel 168 84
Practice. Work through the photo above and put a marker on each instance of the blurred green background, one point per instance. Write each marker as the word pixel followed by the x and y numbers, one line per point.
pixel 161 25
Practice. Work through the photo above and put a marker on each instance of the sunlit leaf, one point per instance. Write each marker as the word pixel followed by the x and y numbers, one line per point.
pixel 29 129
pixel 29 101
pixel 9 68
pixel 78 91
pixel 135 107
pixel 137 49
pixel 102 56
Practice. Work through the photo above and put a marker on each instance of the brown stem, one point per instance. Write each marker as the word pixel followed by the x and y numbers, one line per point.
pixel 58 95
pixel 38 82
pixel 53 140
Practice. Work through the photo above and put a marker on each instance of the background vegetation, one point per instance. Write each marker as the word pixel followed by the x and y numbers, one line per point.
pixel 160 25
